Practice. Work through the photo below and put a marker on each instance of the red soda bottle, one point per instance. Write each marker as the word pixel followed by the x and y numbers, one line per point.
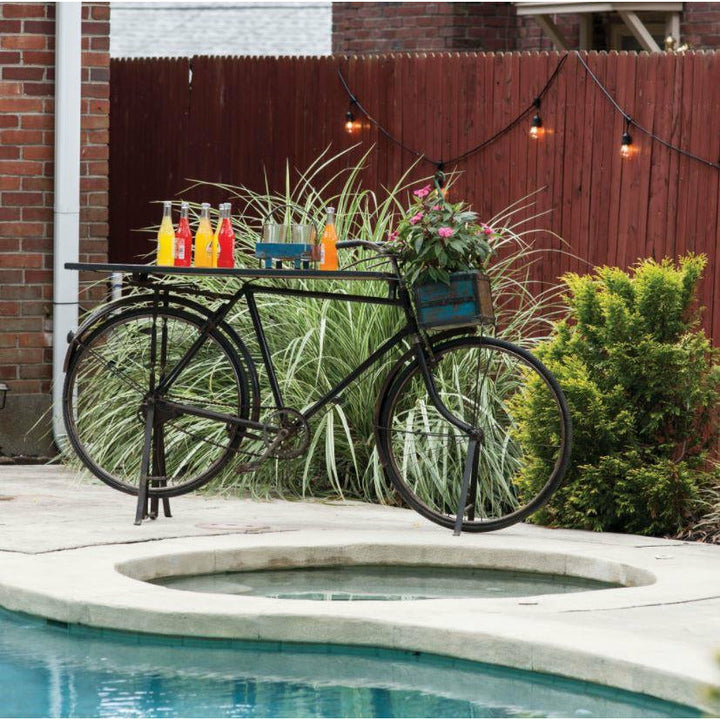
pixel 226 240
pixel 183 239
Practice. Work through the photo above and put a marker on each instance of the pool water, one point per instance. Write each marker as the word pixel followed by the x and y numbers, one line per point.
pixel 382 582
pixel 54 670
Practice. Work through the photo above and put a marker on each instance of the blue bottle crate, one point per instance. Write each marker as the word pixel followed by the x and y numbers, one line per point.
pixel 297 255
pixel 467 300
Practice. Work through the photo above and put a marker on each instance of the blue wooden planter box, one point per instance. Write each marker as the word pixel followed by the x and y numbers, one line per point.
pixel 465 301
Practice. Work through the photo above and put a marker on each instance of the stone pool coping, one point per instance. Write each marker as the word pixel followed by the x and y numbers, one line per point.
pixel 70 552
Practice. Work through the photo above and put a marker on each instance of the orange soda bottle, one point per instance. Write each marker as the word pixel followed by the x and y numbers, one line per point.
pixel 204 239
pixel 226 239
pixel 328 243
pixel 166 237
pixel 183 238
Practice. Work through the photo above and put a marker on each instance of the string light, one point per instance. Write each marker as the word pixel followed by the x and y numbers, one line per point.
pixel 637 126
pixel 536 125
pixel 626 146
pixel 351 124
pixel 468 153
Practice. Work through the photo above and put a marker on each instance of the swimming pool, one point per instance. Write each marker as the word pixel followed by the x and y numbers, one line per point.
pixel 382 582
pixel 51 669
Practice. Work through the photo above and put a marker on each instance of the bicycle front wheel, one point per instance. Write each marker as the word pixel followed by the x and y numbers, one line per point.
pixel 114 372
pixel 486 383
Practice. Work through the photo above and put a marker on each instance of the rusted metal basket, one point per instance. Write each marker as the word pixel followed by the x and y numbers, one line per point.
pixel 467 300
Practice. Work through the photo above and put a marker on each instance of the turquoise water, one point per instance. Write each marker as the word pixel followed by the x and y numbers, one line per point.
pixel 53 670
pixel 382 582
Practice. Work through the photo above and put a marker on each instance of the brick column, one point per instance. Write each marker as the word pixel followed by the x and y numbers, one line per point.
pixel 27 73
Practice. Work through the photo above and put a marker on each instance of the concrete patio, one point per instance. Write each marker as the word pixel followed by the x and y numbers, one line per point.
pixel 69 551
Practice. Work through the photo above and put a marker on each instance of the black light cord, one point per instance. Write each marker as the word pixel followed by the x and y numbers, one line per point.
pixel 386 133
pixel 630 121
pixel 441 164
pixel 532 106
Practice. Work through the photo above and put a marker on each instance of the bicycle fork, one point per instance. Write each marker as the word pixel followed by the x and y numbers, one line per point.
pixel 468 489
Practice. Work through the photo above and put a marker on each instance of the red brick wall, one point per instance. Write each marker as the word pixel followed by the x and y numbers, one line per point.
pixel 700 25
pixel 381 27
pixel 530 36
pixel 27 73
pixel 388 27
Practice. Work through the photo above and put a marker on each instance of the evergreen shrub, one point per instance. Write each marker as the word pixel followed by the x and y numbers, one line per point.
pixel 642 383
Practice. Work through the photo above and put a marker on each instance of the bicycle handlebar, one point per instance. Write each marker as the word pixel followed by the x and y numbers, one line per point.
pixel 377 247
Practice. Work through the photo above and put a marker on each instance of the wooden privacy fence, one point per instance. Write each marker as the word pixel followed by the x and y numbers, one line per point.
pixel 233 120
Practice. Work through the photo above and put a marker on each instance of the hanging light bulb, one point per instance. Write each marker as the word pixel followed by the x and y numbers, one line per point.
pixel 535 127
pixel 536 123
pixel 351 124
pixel 626 146
pixel 625 150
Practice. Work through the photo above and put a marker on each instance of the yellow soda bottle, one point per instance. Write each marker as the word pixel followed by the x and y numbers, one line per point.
pixel 328 243
pixel 204 239
pixel 166 237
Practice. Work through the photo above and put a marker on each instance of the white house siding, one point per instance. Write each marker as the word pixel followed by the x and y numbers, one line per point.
pixel 177 29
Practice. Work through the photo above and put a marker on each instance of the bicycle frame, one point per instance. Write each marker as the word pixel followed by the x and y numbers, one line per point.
pixel 398 297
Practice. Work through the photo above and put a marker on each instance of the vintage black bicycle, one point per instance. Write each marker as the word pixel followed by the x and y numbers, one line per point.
pixel 159 362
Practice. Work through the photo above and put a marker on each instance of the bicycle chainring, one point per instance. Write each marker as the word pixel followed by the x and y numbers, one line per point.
pixel 295 430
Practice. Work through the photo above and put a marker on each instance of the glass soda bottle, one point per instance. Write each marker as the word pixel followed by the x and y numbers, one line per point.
pixel 166 237
pixel 216 234
pixel 226 240
pixel 183 238
pixel 204 239
pixel 328 243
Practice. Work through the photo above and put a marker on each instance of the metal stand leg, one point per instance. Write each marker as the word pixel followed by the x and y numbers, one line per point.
pixel 472 494
pixel 142 508
pixel 159 472
pixel 470 463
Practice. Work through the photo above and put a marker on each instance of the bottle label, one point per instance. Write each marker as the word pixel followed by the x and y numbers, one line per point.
pixel 322 254
pixel 179 249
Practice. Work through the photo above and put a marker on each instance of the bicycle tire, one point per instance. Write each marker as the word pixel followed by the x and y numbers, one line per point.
pixel 112 360
pixel 422 453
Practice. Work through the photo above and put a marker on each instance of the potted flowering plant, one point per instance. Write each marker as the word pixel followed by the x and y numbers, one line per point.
pixel 442 248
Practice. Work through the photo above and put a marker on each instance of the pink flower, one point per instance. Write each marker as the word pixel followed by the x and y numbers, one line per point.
pixel 393 236
pixel 445 232
pixel 487 229
pixel 422 192
pixel 435 207
pixel 415 219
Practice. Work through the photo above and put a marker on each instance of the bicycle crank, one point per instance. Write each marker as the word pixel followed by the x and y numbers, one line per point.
pixel 286 434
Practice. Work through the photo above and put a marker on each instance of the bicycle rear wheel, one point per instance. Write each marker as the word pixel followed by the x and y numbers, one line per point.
pixel 486 383
pixel 112 375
